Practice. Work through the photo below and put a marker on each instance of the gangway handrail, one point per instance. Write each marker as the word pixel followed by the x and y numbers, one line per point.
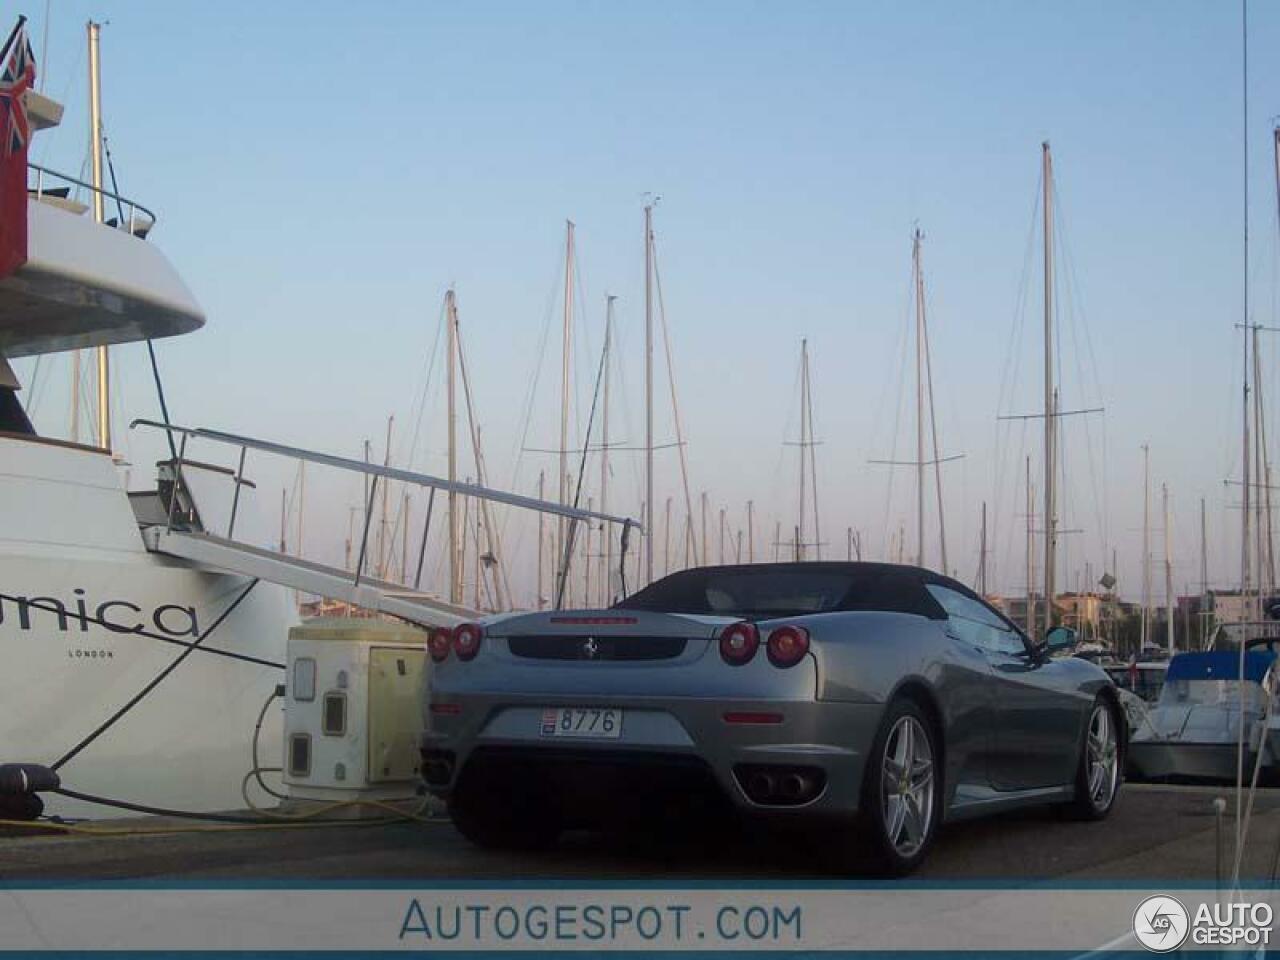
pixel 574 515
pixel 392 473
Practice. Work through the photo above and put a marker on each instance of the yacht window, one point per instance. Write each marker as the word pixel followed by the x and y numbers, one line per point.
pixel 1184 692
pixel 13 419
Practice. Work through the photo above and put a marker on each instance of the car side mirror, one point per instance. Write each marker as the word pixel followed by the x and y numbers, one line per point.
pixel 1058 639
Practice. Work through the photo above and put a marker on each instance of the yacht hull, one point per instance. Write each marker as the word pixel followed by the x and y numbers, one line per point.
pixel 88 618
pixel 1207 762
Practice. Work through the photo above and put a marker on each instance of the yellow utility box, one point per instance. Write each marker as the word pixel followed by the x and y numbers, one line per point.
pixel 353 709
pixel 396 684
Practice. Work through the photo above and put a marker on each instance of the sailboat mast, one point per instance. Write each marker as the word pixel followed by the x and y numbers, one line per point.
pixel 302 495
pixel 1204 576
pixel 384 556
pixel 919 295
pixel 451 360
pixel 500 594
pixel 1262 469
pixel 1050 518
pixel 565 358
pixel 704 526
pixel 75 397
pixel 1168 570
pixel 982 555
pixel 606 529
pixel 751 533
pixel 804 408
pixel 542 483
pixel 813 461
pixel 1031 557
pixel 95 153
pixel 666 541
pixel 648 382
pixel 1146 546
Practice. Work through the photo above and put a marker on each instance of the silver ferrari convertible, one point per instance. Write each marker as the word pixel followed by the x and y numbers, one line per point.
pixel 873 702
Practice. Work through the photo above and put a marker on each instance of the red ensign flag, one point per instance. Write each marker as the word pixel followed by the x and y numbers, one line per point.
pixel 19 73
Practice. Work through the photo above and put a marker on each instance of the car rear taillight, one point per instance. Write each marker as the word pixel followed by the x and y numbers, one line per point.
pixel 739 643
pixel 438 642
pixel 787 646
pixel 466 640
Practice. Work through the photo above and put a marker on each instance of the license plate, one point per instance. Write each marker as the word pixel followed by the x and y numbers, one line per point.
pixel 597 722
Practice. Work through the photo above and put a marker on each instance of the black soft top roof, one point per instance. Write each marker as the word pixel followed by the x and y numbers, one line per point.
pixel 885 587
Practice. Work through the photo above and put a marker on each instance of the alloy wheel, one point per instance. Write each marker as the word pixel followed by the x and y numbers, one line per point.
pixel 1102 757
pixel 907 786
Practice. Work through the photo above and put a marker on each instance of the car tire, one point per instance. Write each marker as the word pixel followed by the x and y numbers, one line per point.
pixel 1099 772
pixel 895 797
pixel 502 820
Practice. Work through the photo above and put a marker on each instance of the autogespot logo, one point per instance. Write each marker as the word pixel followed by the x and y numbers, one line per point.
pixel 1161 923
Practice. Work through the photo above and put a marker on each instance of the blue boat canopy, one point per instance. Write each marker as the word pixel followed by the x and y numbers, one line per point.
pixel 1219 665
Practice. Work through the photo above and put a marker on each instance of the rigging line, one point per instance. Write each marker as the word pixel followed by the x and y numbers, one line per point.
pixel 813 463
pixel 775 480
pixel 581 333
pixel 531 391
pixel 904 328
pixel 795 407
pixel 624 393
pixel 1080 323
pixel 1008 377
pixel 35 385
pixel 164 406
pixel 933 426
pixel 427 374
pixel 577 494
pixel 111 170
pixel 155 682
pixel 477 451
pixel 1076 322
pixel 48 138
pixel 698 557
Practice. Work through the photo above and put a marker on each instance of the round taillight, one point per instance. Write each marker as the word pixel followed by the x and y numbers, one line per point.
pixel 466 640
pixel 787 646
pixel 739 643
pixel 438 642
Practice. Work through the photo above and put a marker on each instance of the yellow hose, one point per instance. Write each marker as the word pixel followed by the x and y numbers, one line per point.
pixel 287 822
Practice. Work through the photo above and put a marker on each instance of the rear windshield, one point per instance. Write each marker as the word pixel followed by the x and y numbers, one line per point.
pixel 775 592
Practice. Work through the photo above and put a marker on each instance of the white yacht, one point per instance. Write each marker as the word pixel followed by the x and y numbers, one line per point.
pixel 89 616
pixel 143 632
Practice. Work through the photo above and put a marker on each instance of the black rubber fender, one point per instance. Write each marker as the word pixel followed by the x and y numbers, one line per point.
pixel 25 806
pixel 17 779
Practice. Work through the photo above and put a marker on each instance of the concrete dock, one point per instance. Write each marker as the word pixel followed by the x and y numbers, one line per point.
pixel 1157 833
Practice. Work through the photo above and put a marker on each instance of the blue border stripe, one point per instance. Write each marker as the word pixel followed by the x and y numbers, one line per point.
pixel 626 954
pixel 670 884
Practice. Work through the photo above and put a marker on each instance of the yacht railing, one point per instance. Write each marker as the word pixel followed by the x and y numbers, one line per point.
pixel 122 203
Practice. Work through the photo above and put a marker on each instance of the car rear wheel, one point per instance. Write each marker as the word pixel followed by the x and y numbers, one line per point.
pixel 1098 774
pixel 901 793
pixel 502 819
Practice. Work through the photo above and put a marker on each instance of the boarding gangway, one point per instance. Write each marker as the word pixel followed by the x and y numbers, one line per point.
pixel 182 529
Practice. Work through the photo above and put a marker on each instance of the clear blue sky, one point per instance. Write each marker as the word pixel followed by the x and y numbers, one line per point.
pixel 323 171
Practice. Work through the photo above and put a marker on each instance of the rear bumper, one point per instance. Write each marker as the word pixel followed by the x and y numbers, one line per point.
pixel 660 736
